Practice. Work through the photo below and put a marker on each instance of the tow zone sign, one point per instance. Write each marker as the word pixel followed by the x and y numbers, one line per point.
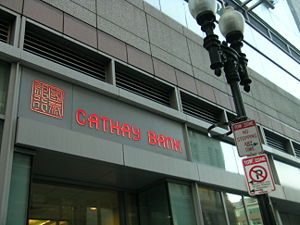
pixel 246 138
pixel 258 175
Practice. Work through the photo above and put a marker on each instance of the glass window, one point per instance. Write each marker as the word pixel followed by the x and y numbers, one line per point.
pixel 212 207
pixel 182 204
pixel 68 205
pixel 293 178
pixel 4 77
pixel 253 211
pixel 154 206
pixel 212 152
pixel 131 209
pixel 235 209
pixel 19 190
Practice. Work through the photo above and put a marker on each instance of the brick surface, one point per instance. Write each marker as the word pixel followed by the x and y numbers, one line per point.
pixel 168 39
pixel 44 13
pixel 186 82
pixel 223 99
pixel 164 71
pixel 74 9
pixel 15 5
pixel 206 91
pixel 112 46
pixel 80 30
pixel 125 15
pixel 122 34
pixel 265 120
pixel 139 59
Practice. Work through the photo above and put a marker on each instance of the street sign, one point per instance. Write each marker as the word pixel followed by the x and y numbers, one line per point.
pixel 246 138
pixel 258 175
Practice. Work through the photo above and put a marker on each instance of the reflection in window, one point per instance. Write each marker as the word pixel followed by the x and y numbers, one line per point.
pixel 235 209
pixel 212 207
pixel 19 190
pixel 212 152
pixel 182 204
pixel 253 211
pixel 154 206
pixel 68 205
pixel 4 77
pixel 293 178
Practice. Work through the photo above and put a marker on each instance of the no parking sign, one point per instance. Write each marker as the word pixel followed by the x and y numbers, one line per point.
pixel 258 175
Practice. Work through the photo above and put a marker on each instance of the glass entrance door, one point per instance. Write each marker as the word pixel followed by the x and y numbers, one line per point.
pixel 52 204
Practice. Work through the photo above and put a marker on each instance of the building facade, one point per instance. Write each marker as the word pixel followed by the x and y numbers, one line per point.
pixel 104 110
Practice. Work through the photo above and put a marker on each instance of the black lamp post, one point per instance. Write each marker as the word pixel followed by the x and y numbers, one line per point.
pixel 228 55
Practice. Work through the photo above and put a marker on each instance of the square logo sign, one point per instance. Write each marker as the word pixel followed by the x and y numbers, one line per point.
pixel 47 99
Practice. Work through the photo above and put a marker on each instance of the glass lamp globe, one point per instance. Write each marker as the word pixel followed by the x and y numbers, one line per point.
pixel 231 21
pixel 198 7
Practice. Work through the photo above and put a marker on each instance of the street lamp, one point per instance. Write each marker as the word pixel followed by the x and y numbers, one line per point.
pixel 226 55
pixel 229 57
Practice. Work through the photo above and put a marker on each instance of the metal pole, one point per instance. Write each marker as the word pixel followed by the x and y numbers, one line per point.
pixel 263 200
pixel 234 63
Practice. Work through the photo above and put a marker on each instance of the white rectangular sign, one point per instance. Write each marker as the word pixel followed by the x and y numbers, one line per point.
pixel 246 138
pixel 258 175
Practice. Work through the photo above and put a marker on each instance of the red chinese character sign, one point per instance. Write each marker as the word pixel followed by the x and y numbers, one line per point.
pixel 246 138
pixel 47 99
pixel 258 175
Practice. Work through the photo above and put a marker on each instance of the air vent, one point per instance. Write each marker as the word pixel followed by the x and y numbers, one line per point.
pixel 200 109
pixel 4 31
pixel 143 85
pixel 64 52
pixel 297 149
pixel 231 117
pixel 276 141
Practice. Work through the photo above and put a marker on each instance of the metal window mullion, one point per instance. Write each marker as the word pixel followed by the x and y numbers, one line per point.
pixel 175 102
pixel 197 204
pixel 273 169
pixel 110 72
pixel 277 216
pixel 169 202
pixel 9 131
pixel 224 207
pixel 188 148
pixel 246 210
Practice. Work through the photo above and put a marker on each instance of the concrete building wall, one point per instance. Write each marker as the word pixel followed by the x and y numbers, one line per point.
pixel 135 32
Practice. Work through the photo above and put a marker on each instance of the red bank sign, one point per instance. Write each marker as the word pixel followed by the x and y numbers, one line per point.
pixel 49 100
pixel 105 124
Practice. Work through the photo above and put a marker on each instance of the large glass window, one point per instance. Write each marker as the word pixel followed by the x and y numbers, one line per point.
pixel 212 207
pixel 253 211
pixel 235 209
pixel 53 204
pixel 4 78
pixel 154 206
pixel 182 204
pixel 19 190
pixel 212 152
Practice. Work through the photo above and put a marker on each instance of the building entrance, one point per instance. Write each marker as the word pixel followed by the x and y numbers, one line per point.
pixel 56 204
